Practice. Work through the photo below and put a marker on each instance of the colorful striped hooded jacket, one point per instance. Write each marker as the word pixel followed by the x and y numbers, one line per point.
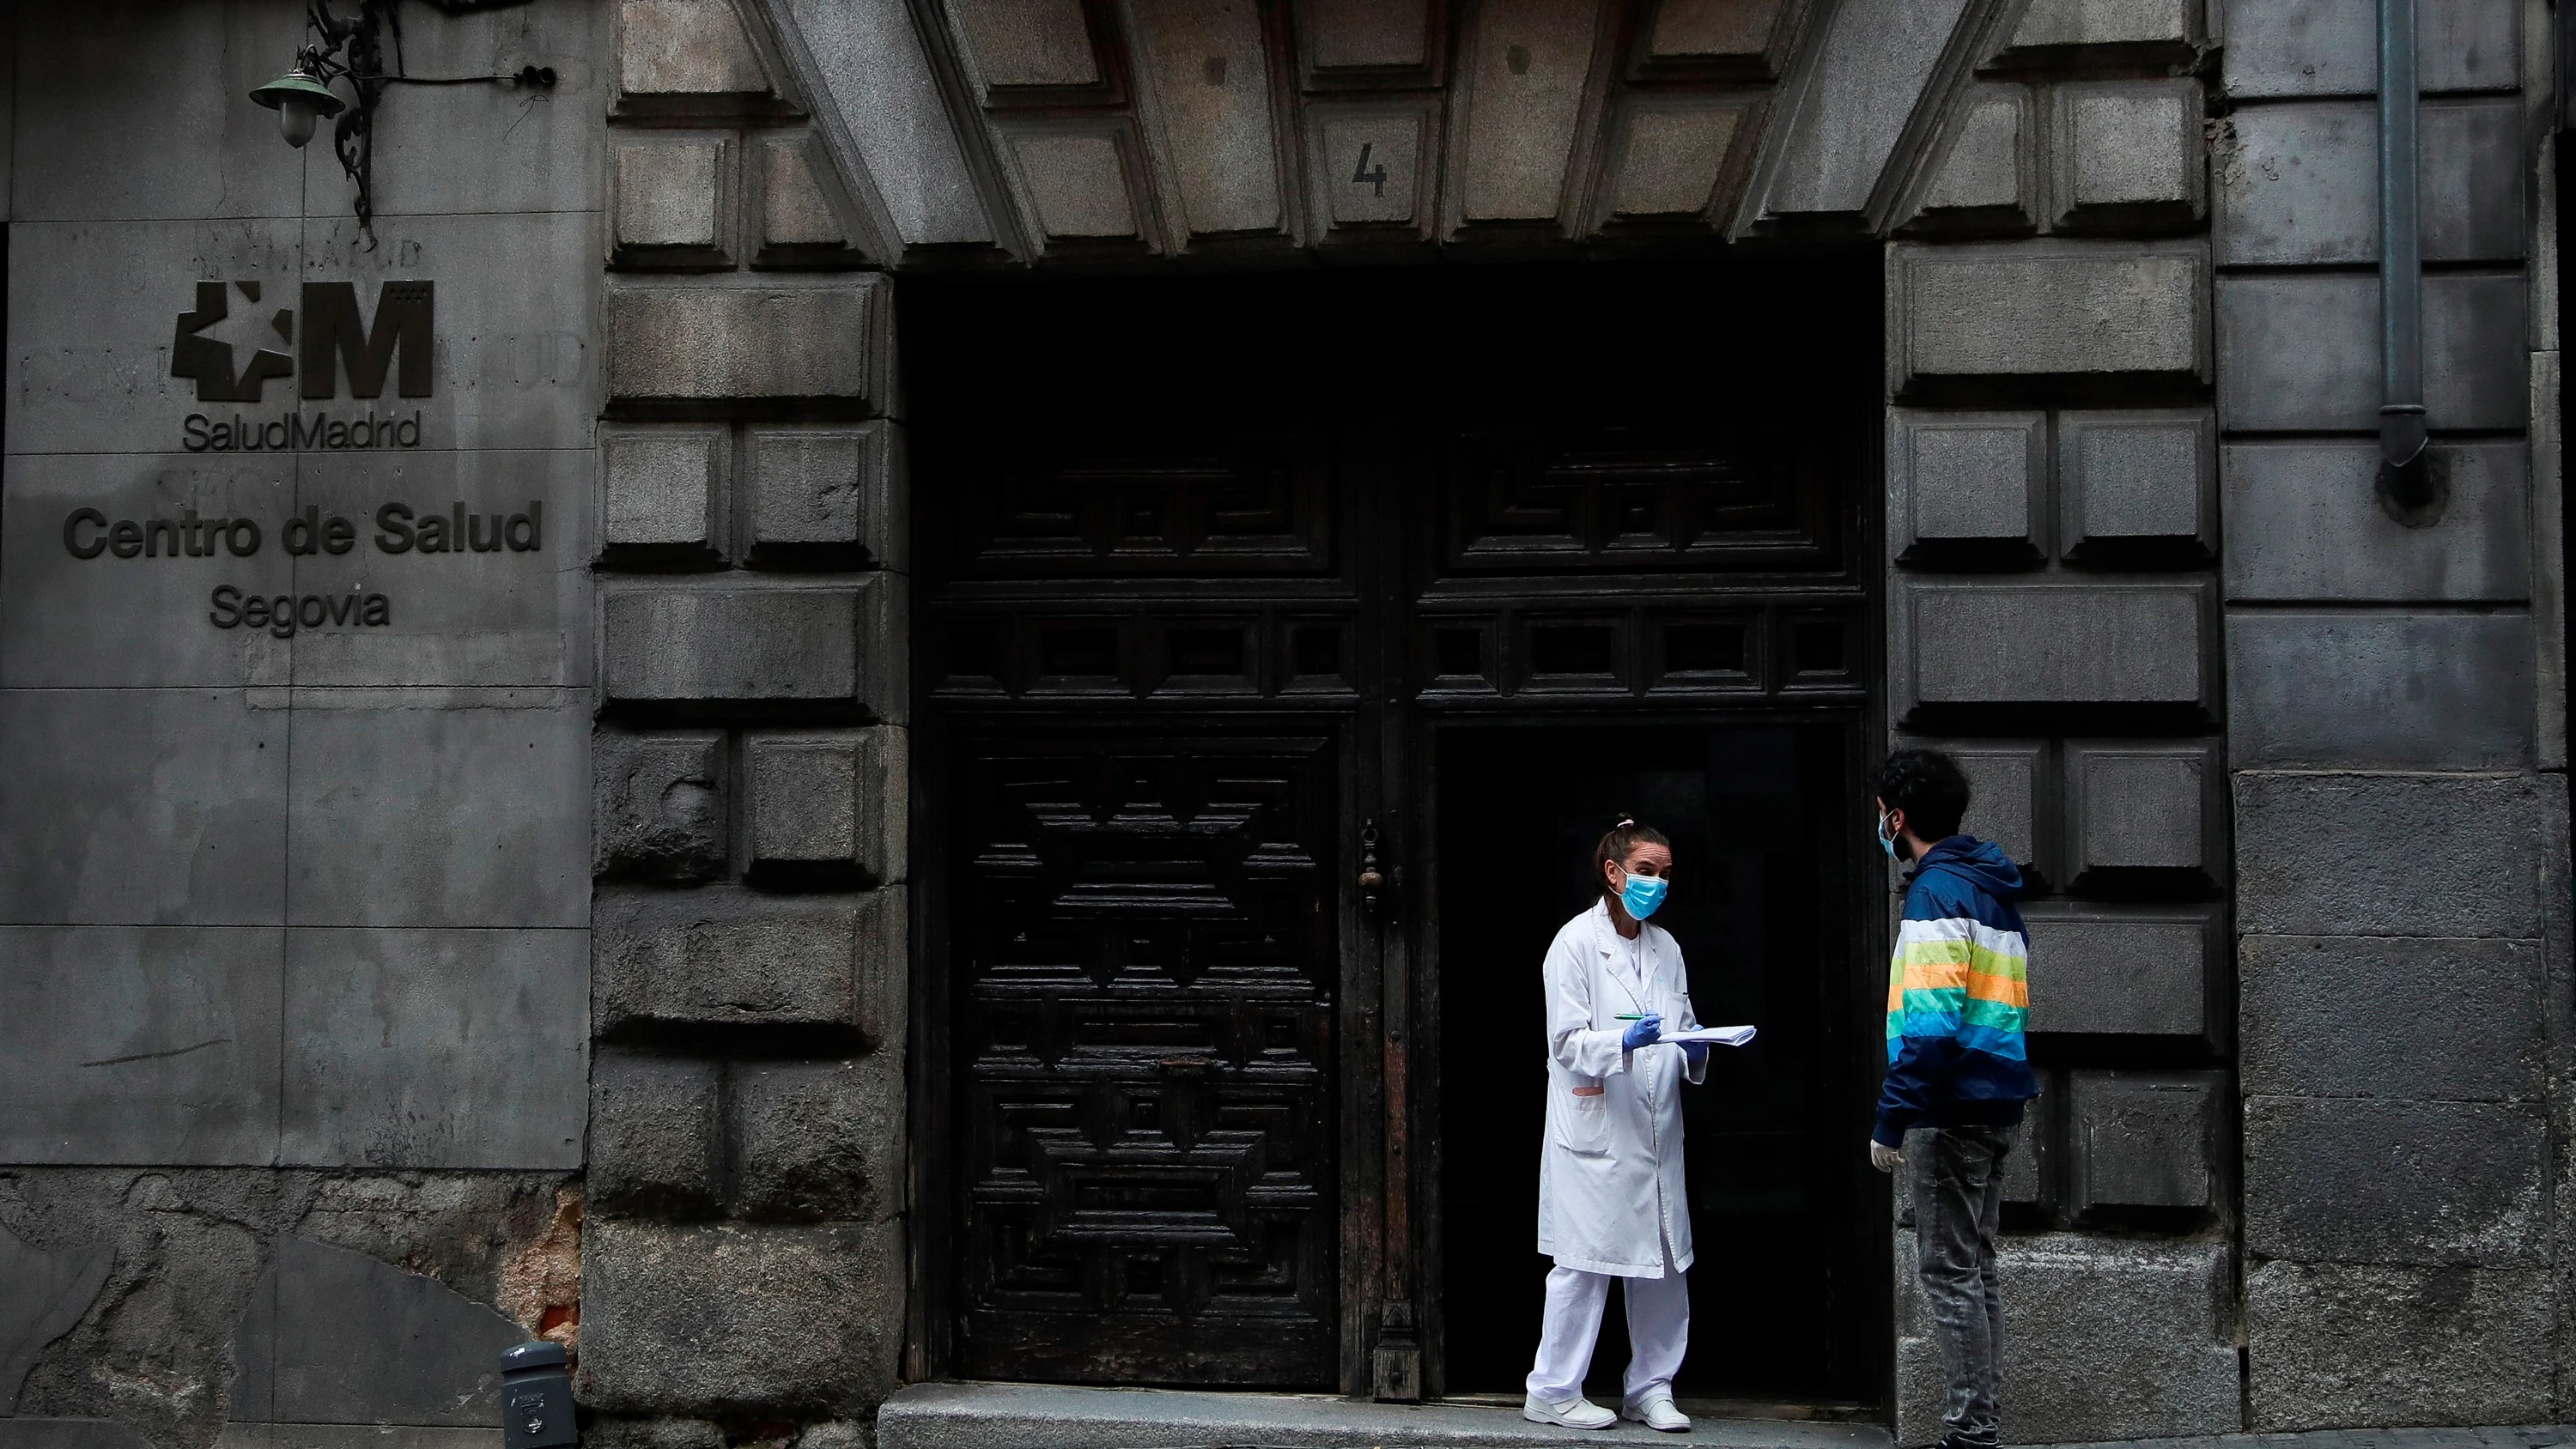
pixel 1957 991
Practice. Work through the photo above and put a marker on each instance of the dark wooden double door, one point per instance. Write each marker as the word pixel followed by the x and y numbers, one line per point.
pixel 1202 567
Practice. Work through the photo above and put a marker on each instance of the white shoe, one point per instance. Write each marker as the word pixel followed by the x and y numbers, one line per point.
pixel 1658 1413
pixel 1574 1413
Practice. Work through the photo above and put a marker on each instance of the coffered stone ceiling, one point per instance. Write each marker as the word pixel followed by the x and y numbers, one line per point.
pixel 1105 130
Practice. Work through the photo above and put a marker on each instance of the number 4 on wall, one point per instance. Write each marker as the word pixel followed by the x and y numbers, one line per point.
pixel 1361 175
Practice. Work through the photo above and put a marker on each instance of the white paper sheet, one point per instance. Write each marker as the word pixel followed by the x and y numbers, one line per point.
pixel 1722 1035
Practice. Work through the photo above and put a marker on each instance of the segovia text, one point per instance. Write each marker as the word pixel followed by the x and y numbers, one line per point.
pixel 397 529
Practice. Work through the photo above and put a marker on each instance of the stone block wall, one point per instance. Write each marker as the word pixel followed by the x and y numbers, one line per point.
pixel 295 937
pixel 2395 738
pixel 2351 723
pixel 744 1274
pixel 295 932
pixel 2054 619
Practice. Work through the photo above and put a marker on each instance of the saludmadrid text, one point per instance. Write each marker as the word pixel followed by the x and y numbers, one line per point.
pixel 298 432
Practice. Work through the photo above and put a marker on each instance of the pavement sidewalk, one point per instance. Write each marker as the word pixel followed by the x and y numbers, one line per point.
pixel 1045 1416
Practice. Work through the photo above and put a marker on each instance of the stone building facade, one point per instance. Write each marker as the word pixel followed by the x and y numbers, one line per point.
pixel 545 895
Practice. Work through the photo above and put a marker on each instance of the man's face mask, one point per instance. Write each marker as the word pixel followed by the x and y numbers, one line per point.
pixel 1887 834
pixel 1643 894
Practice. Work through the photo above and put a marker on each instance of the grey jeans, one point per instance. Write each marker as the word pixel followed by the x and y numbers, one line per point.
pixel 1957 1180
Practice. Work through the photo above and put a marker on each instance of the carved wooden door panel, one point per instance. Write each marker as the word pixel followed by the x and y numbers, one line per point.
pixel 1144 941
pixel 1202 568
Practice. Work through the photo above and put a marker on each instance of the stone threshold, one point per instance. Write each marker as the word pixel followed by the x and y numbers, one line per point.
pixel 1048 1416
pixel 2515 1436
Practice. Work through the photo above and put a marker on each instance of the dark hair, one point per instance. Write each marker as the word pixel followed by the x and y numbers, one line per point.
pixel 1624 837
pixel 1929 787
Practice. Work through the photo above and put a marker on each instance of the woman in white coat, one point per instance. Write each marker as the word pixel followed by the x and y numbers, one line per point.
pixel 1610 1196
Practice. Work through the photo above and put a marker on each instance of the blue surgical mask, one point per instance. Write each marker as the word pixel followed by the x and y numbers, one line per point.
pixel 1886 841
pixel 1643 894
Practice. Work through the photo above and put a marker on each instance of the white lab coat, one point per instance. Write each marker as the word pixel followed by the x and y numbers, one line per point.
pixel 1610 1195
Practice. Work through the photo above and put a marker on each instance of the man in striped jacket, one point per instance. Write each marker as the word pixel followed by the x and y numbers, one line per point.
pixel 1957 1073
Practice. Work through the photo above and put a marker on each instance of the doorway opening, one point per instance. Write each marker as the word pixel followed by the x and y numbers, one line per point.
pixel 1760 816
pixel 1220 585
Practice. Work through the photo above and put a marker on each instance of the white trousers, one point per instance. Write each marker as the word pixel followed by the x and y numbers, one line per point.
pixel 1658 1333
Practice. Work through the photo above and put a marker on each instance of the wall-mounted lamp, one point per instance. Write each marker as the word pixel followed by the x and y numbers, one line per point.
pixel 351 51
pixel 300 97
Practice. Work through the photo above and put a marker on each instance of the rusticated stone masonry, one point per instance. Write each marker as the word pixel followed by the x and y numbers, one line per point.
pixel 2396 733
pixel 2053 619
pixel 743 1272
pixel 2083 383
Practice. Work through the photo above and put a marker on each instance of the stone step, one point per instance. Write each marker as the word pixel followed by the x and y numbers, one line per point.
pixel 1047 1416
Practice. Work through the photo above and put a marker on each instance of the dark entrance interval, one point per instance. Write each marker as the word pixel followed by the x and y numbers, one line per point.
pixel 1275 637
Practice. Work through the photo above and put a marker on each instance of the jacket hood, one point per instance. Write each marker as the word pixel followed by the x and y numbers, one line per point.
pixel 1975 861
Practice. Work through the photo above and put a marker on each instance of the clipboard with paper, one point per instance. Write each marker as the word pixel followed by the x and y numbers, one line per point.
pixel 1734 1036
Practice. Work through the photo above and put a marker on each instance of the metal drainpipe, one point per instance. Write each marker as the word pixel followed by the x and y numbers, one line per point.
pixel 2406 480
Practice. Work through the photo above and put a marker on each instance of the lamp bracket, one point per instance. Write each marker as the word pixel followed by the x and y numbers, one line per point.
pixel 353 49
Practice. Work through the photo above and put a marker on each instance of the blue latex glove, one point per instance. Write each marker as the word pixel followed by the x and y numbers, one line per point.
pixel 1696 1051
pixel 1643 1030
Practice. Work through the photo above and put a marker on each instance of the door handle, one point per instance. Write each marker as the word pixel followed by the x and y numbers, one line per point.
pixel 1372 882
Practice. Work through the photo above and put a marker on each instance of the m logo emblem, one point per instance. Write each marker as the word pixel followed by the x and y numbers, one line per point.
pixel 400 341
